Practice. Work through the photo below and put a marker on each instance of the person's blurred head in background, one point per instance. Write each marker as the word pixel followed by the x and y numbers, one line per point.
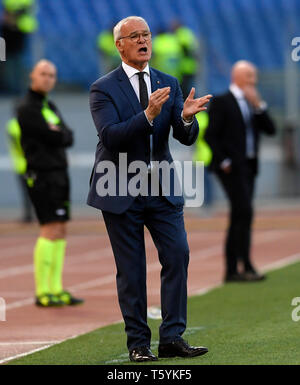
pixel 244 74
pixel 43 76
pixel 133 40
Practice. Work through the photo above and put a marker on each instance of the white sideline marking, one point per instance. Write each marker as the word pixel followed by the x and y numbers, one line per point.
pixel 28 245
pixel 24 354
pixel 45 347
pixel 12 271
pixel 29 343
pixel 270 267
pixel 88 256
pixel 282 262
pixel 24 302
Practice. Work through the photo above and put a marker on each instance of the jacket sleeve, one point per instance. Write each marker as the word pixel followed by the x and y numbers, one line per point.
pixel 186 135
pixel 69 137
pixel 116 135
pixel 34 125
pixel 265 123
pixel 213 134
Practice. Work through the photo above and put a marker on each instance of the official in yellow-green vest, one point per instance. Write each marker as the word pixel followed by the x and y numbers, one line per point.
pixel 167 54
pixel 44 138
pixel 188 66
pixel 203 153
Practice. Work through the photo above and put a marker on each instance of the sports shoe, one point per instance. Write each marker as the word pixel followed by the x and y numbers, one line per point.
pixel 68 299
pixel 48 300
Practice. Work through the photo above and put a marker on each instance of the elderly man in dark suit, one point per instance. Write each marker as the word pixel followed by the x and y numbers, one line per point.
pixel 236 120
pixel 133 108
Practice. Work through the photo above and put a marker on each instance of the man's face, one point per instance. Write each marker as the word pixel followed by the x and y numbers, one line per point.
pixel 248 78
pixel 135 49
pixel 43 78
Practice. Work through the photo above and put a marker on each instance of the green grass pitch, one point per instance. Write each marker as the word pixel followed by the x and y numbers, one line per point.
pixel 240 323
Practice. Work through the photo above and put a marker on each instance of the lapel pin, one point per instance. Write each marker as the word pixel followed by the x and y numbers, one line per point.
pixel 158 82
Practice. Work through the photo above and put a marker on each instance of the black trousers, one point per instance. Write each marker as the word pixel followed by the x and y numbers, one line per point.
pixel 50 195
pixel 239 188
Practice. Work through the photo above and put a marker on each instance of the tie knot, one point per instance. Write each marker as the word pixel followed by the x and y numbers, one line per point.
pixel 141 75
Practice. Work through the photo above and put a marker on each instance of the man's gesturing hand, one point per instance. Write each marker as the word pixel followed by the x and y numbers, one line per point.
pixel 252 95
pixel 193 106
pixel 156 101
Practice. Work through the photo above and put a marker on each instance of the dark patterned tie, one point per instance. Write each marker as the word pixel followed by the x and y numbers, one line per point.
pixel 144 103
pixel 143 90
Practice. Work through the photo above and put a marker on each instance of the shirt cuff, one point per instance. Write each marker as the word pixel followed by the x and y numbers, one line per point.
pixel 149 121
pixel 262 107
pixel 226 162
pixel 186 124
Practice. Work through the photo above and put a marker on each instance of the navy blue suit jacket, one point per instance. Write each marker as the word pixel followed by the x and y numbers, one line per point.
pixel 123 128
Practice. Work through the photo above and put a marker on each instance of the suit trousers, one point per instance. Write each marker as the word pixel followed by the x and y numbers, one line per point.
pixel 126 232
pixel 239 188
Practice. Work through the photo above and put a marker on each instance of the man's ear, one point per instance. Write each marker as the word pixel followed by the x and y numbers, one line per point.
pixel 119 46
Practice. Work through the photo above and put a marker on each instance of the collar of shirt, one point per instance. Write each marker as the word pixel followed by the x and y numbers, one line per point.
pixel 236 91
pixel 130 71
pixel 134 80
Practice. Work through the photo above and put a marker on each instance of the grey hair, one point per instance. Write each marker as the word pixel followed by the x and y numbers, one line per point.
pixel 119 25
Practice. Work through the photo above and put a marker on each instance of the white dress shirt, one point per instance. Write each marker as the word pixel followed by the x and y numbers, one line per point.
pixel 133 77
pixel 132 74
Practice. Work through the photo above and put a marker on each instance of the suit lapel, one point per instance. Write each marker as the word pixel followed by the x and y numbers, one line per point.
pixel 155 82
pixel 127 89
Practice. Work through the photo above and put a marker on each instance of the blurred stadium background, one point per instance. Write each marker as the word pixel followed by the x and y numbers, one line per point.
pixel 257 30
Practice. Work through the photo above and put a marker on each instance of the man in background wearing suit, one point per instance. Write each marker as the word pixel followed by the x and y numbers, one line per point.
pixel 236 120
pixel 133 108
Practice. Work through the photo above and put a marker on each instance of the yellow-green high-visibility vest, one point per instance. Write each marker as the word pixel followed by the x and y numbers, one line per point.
pixel 106 44
pixel 188 41
pixel 167 54
pixel 25 21
pixel 14 133
pixel 202 152
pixel 17 5
pixel 49 115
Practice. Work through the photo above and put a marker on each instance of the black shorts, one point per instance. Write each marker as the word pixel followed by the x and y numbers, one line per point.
pixel 49 192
